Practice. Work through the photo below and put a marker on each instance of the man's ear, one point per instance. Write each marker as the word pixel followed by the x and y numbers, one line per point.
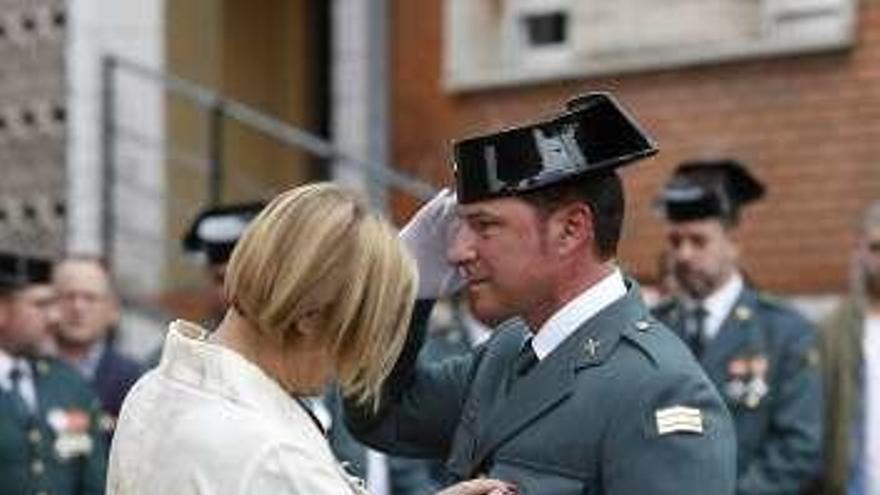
pixel 575 227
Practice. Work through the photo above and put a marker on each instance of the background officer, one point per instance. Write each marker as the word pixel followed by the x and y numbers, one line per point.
pixel 584 393
pixel 759 353
pixel 50 441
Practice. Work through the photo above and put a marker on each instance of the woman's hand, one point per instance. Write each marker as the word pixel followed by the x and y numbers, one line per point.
pixel 482 486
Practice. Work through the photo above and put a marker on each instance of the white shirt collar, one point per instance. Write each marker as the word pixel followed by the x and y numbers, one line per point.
pixel 27 387
pixel 720 303
pixel 580 309
pixel 6 363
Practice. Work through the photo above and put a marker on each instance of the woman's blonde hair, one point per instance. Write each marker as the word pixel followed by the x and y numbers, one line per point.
pixel 319 248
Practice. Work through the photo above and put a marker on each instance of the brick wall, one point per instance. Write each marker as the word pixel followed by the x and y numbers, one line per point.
pixel 809 126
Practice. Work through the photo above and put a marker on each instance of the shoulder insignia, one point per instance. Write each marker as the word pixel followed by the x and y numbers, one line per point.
pixel 42 367
pixel 742 313
pixel 679 419
pixel 643 325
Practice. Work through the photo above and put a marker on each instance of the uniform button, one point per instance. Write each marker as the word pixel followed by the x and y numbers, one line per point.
pixel 37 467
pixel 34 435
pixel 42 493
pixel 642 325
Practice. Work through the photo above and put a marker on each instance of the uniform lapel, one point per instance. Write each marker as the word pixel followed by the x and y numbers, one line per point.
pixel 735 335
pixel 553 379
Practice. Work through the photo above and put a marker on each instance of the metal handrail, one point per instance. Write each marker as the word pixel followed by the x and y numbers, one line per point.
pixel 274 127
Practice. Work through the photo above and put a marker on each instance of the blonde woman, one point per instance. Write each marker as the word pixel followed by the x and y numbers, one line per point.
pixel 319 289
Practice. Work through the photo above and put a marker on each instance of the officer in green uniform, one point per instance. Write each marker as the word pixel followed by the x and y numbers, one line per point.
pixel 578 390
pixel 50 437
pixel 758 352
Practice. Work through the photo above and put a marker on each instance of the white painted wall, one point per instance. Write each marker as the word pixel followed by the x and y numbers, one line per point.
pixel 132 29
pixel 359 123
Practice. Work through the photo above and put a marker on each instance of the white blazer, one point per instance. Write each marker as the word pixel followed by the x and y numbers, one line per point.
pixel 206 421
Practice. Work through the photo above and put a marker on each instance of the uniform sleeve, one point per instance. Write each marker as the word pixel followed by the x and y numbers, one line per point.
pixel 790 454
pixel 94 465
pixel 294 470
pixel 421 402
pixel 672 435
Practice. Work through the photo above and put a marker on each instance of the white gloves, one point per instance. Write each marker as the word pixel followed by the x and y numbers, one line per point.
pixel 427 235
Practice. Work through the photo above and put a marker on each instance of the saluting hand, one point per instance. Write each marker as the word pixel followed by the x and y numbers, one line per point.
pixel 427 236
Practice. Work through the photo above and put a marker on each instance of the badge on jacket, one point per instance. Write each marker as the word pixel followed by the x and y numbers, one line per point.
pixel 71 427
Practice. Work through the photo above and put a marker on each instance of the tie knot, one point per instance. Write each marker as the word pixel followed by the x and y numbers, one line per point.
pixel 16 373
pixel 526 359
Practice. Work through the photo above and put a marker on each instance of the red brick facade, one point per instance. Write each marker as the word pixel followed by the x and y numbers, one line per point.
pixel 809 126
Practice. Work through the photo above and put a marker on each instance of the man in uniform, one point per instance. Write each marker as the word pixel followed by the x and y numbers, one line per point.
pixel 759 353
pixel 50 441
pixel 212 235
pixel 584 392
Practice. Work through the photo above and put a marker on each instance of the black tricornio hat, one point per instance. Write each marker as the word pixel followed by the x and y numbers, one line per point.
pixel 593 134
pixel 216 230
pixel 709 189
pixel 18 271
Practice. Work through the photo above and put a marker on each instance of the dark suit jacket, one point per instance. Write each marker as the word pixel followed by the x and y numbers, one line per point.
pixel 779 423
pixel 584 420
pixel 114 376
pixel 59 449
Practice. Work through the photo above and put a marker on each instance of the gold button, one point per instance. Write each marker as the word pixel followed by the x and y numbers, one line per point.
pixel 37 467
pixel 34 435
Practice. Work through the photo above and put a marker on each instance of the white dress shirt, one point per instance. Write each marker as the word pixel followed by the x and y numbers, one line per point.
pixel 207 421
pixel 577 311
pixel 27 389
pixel 719 304
pixel 871 349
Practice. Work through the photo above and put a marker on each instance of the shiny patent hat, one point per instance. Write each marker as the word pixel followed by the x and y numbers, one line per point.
pixel 703 189
pixel 18 271
pixel 594 134
pixel 216 230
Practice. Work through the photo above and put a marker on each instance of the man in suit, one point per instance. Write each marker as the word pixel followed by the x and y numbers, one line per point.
pixel 850 345
pixel 759 353
pixel 583 392
pixel 50 440
pixel 89 311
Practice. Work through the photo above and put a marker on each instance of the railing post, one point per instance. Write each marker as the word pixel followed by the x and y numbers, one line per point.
pixel 216 144
pixel 108 156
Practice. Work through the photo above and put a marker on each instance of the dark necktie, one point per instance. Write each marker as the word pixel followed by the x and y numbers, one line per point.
pixel 526 360
pixel 16 375
pixel 697 330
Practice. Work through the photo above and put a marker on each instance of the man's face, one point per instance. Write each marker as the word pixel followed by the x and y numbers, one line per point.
pixel 869 260
pixel 87 307
pixel 499 246
pixel 703 255
pixel 25 316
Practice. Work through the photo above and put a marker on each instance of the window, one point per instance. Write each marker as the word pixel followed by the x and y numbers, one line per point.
pixel 504 42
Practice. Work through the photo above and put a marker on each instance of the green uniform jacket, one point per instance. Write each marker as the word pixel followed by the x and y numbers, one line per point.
pixel 58 450
pixel 764 362
pixel 583 421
